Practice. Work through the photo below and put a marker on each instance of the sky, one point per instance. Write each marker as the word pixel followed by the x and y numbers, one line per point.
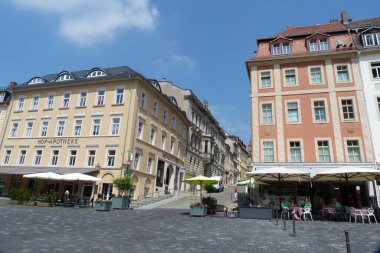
pixel 198 45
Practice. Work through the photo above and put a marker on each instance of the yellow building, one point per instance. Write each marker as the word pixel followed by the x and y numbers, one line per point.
pixel 103 122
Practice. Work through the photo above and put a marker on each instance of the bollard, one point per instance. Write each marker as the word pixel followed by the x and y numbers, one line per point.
pixel 294 228
pixel 348 245
pixel 284 228
pixel 276 217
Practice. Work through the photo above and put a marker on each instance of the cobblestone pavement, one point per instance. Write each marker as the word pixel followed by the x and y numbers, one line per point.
pixel 57 229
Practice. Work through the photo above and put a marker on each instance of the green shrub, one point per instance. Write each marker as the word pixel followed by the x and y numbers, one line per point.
pixel 209 201
pixel 123 185
pixel 210 188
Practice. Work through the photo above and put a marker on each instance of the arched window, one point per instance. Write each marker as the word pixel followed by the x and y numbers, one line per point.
pixel 64 77
pixel 96 73
pixel 155 84
pixel 36 80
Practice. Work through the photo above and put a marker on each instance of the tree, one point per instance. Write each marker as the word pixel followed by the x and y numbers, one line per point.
pixel 123 185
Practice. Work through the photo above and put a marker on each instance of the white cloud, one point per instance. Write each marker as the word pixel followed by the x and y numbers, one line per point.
pixel 90 21
pixel 177 60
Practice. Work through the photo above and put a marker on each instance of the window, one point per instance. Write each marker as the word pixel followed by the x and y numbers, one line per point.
pixel 342 72
pixel 348 109
pixel 155 108
pixel 165 116
pixel 35 101
pixel 375 67
pixel 172 143
pixel 60 127
pixel 265 79
pixel 100 97
pixel 319 111
pixel 78 127
pixel 72 157
pixel 66 100
pixel 276 49
pixel 119 96
pixel 318 45
pixel 7 156
pixel 323 45
pixel 267 114
pixel 369 40
pixel 353 151
pixel 268 151
pixel 82 99
pixel 293 113
pixel 290 77
pixel 54 157
pixel 137 159
pixel 28 128
pixel 44 128
pixel 316 75
pixel 20 104
pixel 96 126
pixel 96 73
pixel 174 123
pixel 323 151
pixel 378 104
pixel 313 46
pixel 50 101
pixel 153 131
pixel 64 77
pixel 295 151
pixel 149 164
pixel 111 155
pixel 143 99
pixel 283 48
pixel 14 128
pixel 21 157
pixel 91 158
pixel 115 126
pixel 140 129
pixel 37 157
pixel 163 140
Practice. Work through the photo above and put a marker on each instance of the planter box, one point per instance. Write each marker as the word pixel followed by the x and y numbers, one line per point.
pixel 14 202
pixel 31 203
pixel 120 202
pixel 103 206
pixel 198 211
pixel 263 213
pixel 43 204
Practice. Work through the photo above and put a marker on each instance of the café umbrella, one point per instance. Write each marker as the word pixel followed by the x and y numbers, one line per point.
pixel 44 175
pixel 79 177
pixel 200 180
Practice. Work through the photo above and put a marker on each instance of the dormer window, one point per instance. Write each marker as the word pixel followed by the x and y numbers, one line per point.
pixel 96 73
pixel 279 49
pixel 64 77
pixel 318 45
pixel 371 40
pixel 36 80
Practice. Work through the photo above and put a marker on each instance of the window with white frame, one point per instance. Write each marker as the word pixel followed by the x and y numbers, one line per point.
pixel 293 112
pixel 21 157
pixel 20 104
pixel 318 45
pixel 324 151
pixel 28 128
pixel 267 113
pixel 165 116
pixel 72 157
pixel 348 109
pixel 37 157
pixel 44 128
pixel 375 68
pixel 295 151
pixel 119 96
pixel 111 157
pixel 174 123
pixel 276 49
pixel 319 110
pixel 91 153
pixel 7 156
pixel 155 108
pixel 60 127
pixel 370 40
pixel 100 97
pixel 153 131
pixel 115 126
pixel 96 122
pixel 323 44
pixel 163 140
pixel 140 129
pixel 316 75
pixel 268 151
pixel 82 99
pixel 64 77
pixel 35 101
pixel 14 129
pixel 313 46
pixel 66 100
pixel 50 101
pixel 342 73
pixel 143 100
pixel 96 73
pixel 54 157
pixel 137 159
pixel 286 48
pixel 378 104
pixel 149 166
pixel 279 49
pixel 265 78
pixel 172 144
pixel 290 77
pixel 353 151
pixel 78 127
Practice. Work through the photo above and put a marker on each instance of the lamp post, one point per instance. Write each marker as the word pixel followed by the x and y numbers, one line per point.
pixel 95 185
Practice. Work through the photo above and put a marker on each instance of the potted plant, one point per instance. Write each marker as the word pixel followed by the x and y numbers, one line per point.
pixel 103 205
pixel 198 209
pixel 15 197
pixel 209 202
pixel 123 185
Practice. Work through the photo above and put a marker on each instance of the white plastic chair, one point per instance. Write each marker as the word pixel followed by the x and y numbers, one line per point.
pixel 368 213
pixel 305 211
pixel 355 213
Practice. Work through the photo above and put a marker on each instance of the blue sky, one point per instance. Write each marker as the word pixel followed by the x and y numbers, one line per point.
pixel 200 45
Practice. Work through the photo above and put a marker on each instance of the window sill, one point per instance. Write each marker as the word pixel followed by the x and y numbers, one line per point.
pixel 293 123
pixel 80 107
pixel 321 122
pixel 265 88
pixel 32 110
pixel 99 106
pixel 19 111
pixel 343 82
pixel 63 108
pixel 121 104
pixel 48 109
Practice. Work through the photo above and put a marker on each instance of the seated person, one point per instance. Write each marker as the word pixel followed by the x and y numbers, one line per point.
pixel 307 203
pixel 284 204
pixel 336 204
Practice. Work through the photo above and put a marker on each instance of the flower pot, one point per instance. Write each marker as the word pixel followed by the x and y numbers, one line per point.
pixel 120 202
pixel 198 210
pixel 103 206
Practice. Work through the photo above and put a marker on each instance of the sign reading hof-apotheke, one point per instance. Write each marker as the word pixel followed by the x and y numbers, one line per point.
pixel 53 141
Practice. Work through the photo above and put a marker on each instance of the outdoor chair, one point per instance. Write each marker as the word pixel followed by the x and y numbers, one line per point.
pixel 285 212
pixel 338 213
pixel 305 211
pixel 368 213
pixel 356 213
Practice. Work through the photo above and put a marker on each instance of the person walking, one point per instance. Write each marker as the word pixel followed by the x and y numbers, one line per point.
pixel 236 191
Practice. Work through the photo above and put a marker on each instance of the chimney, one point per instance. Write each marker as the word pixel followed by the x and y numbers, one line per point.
pixel 205 102
pixel 344 17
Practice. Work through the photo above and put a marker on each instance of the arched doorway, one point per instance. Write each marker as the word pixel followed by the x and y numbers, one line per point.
pixel 147 187
pixel 135 181
pixel 169 173
pixel 107 185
